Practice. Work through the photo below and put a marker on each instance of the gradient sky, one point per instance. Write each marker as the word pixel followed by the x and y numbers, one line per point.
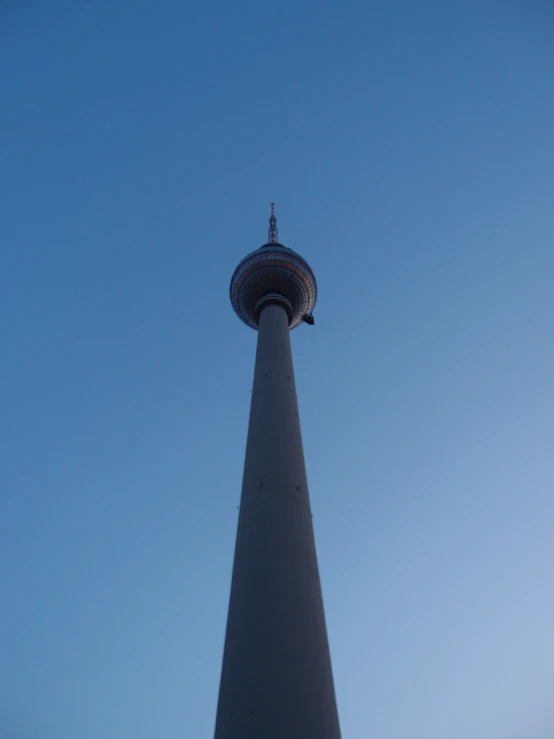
pixel 410 150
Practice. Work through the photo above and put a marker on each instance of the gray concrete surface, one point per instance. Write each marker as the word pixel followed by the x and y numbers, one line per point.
pixel 276 680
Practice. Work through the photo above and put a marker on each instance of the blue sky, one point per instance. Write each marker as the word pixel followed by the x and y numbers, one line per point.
pixel 409 149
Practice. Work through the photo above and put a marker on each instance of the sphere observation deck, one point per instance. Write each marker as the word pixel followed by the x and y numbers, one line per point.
pixel 273 274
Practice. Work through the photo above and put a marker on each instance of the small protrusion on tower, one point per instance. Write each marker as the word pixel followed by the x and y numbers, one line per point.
pixel 273 234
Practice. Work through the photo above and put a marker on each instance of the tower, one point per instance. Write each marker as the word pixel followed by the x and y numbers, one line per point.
pixel 276 678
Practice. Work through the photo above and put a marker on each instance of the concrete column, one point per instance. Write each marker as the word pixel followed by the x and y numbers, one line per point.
pixel 276 680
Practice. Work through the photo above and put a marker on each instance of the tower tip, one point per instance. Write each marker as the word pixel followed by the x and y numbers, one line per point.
pixel 273 233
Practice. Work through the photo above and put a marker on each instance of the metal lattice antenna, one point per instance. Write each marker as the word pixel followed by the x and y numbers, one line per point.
pixel 273 233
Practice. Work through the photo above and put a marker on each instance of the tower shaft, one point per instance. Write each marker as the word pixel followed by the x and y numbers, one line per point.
pixel 276 680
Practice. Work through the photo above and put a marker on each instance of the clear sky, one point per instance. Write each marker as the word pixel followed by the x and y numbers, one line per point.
pixel 409 148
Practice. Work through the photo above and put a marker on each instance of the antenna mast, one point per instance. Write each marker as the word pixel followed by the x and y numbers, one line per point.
pixel 273 233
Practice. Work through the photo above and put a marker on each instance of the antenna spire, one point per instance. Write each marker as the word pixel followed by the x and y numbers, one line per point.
pixel 273 233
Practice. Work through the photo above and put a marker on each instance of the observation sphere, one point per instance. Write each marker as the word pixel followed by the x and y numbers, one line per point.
pixel 273 274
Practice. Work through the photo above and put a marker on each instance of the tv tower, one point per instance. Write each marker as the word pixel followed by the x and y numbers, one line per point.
pixel 276 678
